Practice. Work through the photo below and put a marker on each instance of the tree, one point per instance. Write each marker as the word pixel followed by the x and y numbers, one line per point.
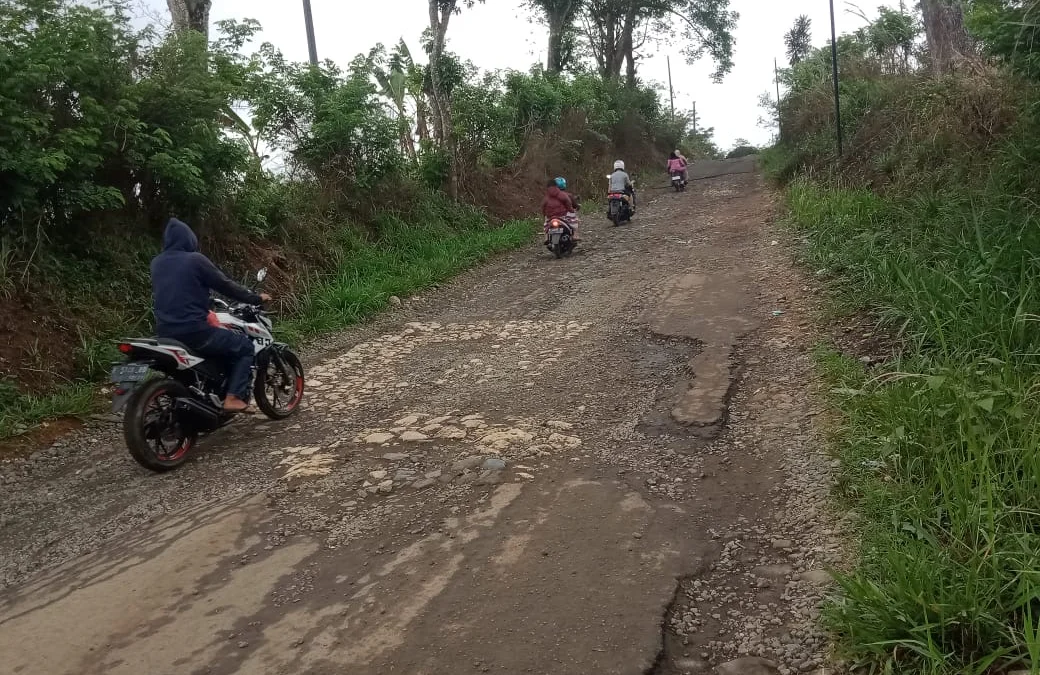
pixel 799 40
pixel 560 17
pixel 441 12
pixel 190 15
pixel 948 42
pixel 396 83
pixel 615 30
pixel 891 39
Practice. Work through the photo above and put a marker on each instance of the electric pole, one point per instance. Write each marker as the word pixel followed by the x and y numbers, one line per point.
pixel 779 124
pixel 308 19
pixel 834 68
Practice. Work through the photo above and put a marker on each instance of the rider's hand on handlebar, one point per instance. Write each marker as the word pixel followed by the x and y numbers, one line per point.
pixel 264 297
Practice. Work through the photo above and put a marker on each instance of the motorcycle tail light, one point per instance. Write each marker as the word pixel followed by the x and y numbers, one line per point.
pixel 125 348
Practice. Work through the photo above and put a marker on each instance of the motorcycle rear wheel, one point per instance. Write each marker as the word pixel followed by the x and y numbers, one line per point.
pixel 153 436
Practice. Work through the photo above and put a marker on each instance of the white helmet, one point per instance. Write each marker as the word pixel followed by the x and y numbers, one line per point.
pixel 619 165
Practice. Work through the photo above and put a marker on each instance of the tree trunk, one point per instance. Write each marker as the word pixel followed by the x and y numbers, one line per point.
pixel 948 42
pixel 630 65
pixel 559 16
pixel 422 129
pixel 440 15
pixel 624 49
pixel 554 59
pixel 190 15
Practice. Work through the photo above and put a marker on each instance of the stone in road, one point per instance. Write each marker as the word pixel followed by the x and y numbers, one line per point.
pixel 527 471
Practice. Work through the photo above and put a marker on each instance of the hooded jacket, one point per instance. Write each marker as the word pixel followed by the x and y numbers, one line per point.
pixel 557 203
pixel 182 279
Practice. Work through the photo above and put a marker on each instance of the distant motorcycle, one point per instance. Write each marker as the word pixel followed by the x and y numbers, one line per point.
pixel 619 207
pixel 559 236
pixel 172 395
pixel 677 181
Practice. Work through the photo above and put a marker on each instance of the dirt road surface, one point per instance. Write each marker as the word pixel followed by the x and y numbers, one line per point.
pixel 603 464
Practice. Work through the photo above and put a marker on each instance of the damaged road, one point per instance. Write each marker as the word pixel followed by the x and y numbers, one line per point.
pixel 599 465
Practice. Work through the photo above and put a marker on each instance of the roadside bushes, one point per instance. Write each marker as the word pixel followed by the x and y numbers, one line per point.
pixel 107 129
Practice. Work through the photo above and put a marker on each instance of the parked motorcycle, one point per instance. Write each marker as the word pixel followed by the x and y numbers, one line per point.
pixel 677 181
pixel 559 237
pixel 172 395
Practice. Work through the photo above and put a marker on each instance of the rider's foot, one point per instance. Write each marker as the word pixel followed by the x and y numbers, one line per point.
pixel 234 404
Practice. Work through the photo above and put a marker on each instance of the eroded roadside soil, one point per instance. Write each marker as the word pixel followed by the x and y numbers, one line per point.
pixel 605 464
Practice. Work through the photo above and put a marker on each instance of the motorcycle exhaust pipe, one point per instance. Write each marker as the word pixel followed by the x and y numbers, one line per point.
pixel 196 415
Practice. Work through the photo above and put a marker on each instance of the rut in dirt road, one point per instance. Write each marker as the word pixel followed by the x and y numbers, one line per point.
pixel 603 464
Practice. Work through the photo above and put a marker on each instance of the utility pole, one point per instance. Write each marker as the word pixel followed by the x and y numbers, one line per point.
pixel 779 123
pixel 671 93
pixel 308 19
pixel 834 68
pixel 695 117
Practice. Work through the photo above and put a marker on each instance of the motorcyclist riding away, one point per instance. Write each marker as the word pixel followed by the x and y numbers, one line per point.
pixel 677 164
pixel 558 203
pixel 182 279
pixel 621 182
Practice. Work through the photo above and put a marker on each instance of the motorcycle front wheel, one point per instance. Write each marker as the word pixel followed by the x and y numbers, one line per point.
pixel 154 437
pixel 278 388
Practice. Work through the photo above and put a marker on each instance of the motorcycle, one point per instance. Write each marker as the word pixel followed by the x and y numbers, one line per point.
pixel 559 236
pixel 619 209
pixel 677 181
pixel 171 395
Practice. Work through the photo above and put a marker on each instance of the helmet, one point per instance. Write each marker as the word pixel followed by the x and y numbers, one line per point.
pixel 561 183
pixel 619 165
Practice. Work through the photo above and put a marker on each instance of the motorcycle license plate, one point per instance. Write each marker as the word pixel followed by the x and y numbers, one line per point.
pixel 556 230
pixel 132 372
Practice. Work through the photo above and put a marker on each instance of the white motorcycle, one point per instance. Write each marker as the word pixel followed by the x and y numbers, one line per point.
pixel 172 395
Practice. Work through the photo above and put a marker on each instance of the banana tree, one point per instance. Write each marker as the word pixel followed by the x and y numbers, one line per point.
pixel 393 81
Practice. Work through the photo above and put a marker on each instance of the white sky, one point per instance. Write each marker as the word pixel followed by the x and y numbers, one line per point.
pixel 500 34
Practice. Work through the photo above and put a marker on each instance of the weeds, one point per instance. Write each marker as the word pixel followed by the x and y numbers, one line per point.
pixel 941 460
pixel 21 412
pixel 405 259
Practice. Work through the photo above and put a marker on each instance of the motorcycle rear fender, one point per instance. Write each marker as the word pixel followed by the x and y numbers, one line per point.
pixel 124 390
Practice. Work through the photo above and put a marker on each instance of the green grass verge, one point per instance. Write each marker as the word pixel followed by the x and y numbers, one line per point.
pixel 941 452
pixel 405 258
pixel 410 252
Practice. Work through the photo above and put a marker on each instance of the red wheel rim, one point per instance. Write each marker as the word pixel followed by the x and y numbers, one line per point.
pixel 183 447
pixel 297 394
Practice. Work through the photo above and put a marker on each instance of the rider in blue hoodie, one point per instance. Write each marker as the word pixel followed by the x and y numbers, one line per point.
pixel 182 279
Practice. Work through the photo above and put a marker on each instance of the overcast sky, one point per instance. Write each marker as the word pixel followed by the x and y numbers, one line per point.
pixel 500 34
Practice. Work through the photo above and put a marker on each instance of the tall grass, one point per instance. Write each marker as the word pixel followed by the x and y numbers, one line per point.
pixel 19 412
pixel 941 453
pixel 406 256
